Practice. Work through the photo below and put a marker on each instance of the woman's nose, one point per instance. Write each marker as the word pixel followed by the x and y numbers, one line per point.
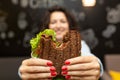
pixel 58 24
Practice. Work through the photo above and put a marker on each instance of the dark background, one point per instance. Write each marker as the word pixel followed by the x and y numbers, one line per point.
pixel 99 25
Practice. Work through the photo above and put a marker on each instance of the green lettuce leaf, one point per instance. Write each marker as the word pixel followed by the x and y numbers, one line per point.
pixel 59 78
pixel 50 32
pixel 35 41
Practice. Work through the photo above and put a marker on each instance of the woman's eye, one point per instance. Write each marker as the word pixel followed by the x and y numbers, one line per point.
pixel 64 21
pixel 53 22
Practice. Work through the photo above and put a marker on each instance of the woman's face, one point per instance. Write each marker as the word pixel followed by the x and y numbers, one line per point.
pixel 59 23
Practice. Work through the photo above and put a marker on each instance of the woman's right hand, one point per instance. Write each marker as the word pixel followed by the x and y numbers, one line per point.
pixel 37 69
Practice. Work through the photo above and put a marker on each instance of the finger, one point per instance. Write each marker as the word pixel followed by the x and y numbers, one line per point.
pixel 41 79
pixel 84 73
pixel 37 76
pixel 83 66
pixel 83 78
pixel 37 62
pixel 80 59
pixel 34 69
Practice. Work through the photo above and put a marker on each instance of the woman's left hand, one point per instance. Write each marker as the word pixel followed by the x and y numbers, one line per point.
pixel 82 68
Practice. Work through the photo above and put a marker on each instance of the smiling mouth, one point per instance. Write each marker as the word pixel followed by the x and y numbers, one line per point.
pixel 58 32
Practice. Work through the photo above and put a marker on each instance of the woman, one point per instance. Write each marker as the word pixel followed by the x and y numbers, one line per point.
pixel 85 67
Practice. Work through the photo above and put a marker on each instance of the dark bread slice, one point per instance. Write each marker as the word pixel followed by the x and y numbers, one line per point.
pixel 70 48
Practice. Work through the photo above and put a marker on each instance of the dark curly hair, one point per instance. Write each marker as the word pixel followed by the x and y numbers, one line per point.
pixel 71 20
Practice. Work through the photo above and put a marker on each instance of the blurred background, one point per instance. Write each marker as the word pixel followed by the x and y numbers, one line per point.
pixel 99 22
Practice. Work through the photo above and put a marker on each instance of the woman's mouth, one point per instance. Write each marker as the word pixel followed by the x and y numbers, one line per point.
pixel 58 33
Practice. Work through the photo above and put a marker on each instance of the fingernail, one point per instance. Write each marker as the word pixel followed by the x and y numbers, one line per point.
pixel 53 73
pixel 64 72
pixel 67 62
pixel 49 63
pixel 52 68
pixel 64 68
pixel 68 77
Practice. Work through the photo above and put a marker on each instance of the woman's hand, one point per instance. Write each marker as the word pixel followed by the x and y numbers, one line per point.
pixel 82 68
pixel 37 69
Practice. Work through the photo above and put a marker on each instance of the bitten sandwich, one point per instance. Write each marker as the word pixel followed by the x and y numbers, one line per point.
pixel 45 46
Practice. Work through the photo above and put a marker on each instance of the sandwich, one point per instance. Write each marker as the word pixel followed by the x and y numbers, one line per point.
pixel 45 46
